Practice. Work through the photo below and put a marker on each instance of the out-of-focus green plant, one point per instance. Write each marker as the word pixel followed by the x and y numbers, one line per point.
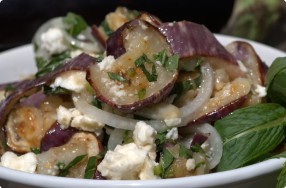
pixel 253 19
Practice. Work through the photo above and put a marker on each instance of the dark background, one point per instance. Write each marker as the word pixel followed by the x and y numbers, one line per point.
pixel 19 19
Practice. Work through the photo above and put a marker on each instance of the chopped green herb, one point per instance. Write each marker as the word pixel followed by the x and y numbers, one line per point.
pixel 75 24
pixel 197 148
pixel 131 72
pixel 64 169
pixel 117 77
pixel 36 150
pixel 46 66
pixel 185 152
pixel 199 164
pixel 160 140
pixel 128 137
pixel 95 102
pixel 170 63
pixel 52 91
pixel 90 168
pixel 106 28
pixel 165 161
pixel 139 62
pixel 8 88
pixel 141 93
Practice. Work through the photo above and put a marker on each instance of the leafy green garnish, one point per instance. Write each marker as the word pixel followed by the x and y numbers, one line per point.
pixel 55 91
pixel 64 169
pixel 90 168
pixel 250 133
pixel 166 161
pixel 36 150
pixel 139 62
pixel 128 137
pixel 141 93
pixel 275 81
pixel 95 102
pixel 75 24
pixel 117 77
pixel 281 180
pixel 46 66
pixel 160 140
pixel 8 88
pixel 185 152
pixel 131 72
pixel 106 28
pixel 170 63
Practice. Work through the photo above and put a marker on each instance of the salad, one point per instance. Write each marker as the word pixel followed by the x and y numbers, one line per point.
pixel 137 98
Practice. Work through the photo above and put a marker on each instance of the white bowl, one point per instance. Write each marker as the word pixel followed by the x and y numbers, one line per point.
pixel 19 63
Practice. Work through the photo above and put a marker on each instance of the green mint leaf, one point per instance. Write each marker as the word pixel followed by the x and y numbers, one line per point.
pixel 172 63
pixel 161 57
pixel 275 81
pixel 95 102
pixel 185 152
pixel 75 24
pixel 36 150
pixel 166 161
pixel 104 25
pixel 46 66
pixel 127 137
pixel 117 77
pixel 54 91
pixel 281 180
pixel 141 93
pixel 64 169
pixel 90 168
pixel 250 133
pixel 139 62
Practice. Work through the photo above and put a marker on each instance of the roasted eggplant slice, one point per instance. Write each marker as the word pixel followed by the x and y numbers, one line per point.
pixel 143 72
pixel 191 41
pixel 252 65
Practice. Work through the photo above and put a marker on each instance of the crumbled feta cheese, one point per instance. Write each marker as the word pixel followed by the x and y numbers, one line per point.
pixel 144 137
pixel 106 63
pixel 71 80
pixel 124 163
pixel 74 118
pixel 53 41
pixel 147 172
pixel 191 164
pixel 172 134
pixel 242 66
pixel 26 162
pixel 173 122
pixel 261 91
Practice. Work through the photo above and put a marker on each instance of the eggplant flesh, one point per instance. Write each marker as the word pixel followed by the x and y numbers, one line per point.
pixel 127 44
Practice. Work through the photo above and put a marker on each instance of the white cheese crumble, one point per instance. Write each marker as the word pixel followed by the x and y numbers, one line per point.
pixel 242 66
pixel 26 162
pixel 124 163
pixel 53 41
pixel 191 164
pixel 172 134
pixel 134 160
pixel 106 63
pixel 74 118
pixel 261 91
pixel 71 80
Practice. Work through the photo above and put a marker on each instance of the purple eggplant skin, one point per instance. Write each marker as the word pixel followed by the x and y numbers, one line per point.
pixel 244 52
pixel 191 40
pixel 98 35
pixel 199 139
pixel 56 136
pixel 29 87
pixel 220 112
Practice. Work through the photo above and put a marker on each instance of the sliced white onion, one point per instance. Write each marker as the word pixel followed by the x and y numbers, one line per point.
pixel 189 110
pixel 115 138
pixel 214 151
pixel 111 119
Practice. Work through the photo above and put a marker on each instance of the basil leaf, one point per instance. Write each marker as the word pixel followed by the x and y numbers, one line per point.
pixel 166 160
pixel 281 180
pixel 250 133
pixel 275 81
pixel 63 170
pixel 117 77
pixel 53 91
pixel 75 24
pixel 46 66
pixel 90 168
